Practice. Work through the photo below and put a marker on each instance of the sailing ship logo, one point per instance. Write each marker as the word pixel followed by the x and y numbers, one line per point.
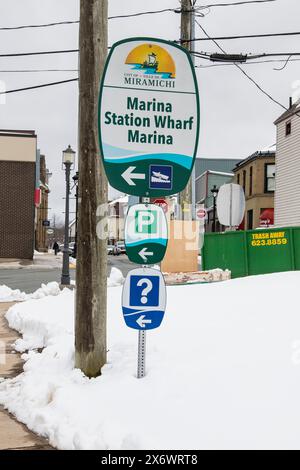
pixel 152 59
pixel 160 177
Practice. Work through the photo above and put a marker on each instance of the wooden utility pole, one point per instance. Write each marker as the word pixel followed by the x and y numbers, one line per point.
pixel 187 33
pixel 91 272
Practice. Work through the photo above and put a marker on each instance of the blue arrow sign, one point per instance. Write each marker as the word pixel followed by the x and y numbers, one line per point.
pixel 144 299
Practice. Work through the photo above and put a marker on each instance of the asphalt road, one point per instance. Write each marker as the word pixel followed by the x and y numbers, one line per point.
pixel 28 280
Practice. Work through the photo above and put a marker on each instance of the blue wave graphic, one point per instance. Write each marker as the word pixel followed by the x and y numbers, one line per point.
pixel 183 160
pixel 112 151
pixel 151 71
pixel 161 241
pixel 152 317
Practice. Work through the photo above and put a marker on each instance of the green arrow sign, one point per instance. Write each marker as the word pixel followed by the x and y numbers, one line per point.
pixel 146 234
pixel 148 117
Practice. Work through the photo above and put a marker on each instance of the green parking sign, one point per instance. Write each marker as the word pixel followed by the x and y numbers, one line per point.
pixel 146 221
pixel 146 234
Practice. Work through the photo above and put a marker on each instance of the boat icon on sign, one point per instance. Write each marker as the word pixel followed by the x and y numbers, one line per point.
pixel 157 176
pixel 161 177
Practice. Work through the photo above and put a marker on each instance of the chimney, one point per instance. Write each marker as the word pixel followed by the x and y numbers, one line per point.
pixel 291 102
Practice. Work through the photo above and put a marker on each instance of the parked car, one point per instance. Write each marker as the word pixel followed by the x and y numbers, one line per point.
pixel 121 247
pixel 116 250
pixel 110 249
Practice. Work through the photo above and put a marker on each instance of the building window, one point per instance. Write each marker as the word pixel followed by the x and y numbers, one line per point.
pixel 250 181
pixel 288 128
pixel 250 219
pixel 238 178
pixel 244 181
pixel 269 177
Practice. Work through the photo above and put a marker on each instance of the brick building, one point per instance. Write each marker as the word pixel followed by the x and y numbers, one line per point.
pixel 17 187
pixel 41 202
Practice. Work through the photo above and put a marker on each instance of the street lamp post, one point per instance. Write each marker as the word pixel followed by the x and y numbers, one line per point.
pixel 214 192
pixel 68 162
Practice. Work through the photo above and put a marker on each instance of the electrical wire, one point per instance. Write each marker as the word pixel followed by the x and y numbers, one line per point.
pixel 245 36
pixel 197 54
pixel 245 73
pixel 238 3
pixel 21 54
pixel 132 15
pixel 44 85
pixel 284 66
pixel 246 63
pixel 29 26
pixel 38 70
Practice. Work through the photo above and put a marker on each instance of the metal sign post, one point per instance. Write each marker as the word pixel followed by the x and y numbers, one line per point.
pixel 141 370
pixel 143 305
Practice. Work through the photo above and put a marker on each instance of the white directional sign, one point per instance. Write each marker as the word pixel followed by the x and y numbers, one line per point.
pixel 146 234
pixel 144 299
pixel 231 205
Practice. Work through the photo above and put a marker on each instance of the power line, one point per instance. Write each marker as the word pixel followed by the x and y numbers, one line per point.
pixel 132 15
pixel 142 13
pixel 198 54
pixel 38 70
pixel 61 23
pixel 245 57
pixel 246 36
pixel 21 54
pixel 247 63
pixel 44 85
pixel 234 58
pixel 238 3
pixel 46 25
pixel 245 73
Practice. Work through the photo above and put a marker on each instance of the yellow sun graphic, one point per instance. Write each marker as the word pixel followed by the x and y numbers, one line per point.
pixel 153 57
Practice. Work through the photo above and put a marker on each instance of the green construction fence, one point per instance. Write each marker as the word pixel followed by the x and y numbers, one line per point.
pixel 250 252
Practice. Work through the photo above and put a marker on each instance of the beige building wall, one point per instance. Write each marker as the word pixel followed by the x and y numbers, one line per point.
pixel 258 199
pixel 17 148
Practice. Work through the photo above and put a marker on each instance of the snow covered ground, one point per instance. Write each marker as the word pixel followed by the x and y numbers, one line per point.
pixel 223 371
pixel 52 288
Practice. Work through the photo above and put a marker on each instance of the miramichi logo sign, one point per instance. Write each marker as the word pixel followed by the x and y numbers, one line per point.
pixel 148 117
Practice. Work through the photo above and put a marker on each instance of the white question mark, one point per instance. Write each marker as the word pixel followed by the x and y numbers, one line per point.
pixel 146 290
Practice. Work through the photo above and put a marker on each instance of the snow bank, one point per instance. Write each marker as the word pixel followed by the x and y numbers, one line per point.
pixel 222 371
pixel 116 278
pixel 9 295
pixel 52 288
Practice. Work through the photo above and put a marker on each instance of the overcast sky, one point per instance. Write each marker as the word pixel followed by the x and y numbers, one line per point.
pixel 236 118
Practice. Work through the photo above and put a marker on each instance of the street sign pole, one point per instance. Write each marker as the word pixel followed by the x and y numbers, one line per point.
pixel 141 370
pixel 148 143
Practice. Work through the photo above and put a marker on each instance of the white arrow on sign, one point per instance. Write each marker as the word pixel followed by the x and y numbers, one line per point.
pixel 142 322
pixel 144 253
pixel 128 175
